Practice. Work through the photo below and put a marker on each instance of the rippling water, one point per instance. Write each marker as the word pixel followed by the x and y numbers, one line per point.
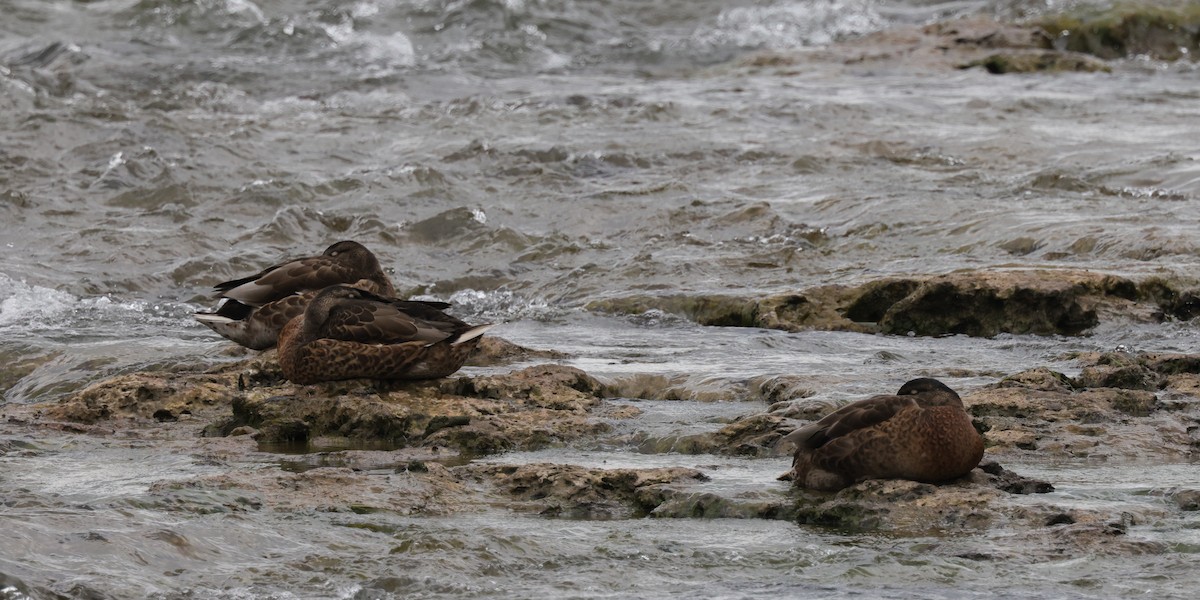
pixel 522 158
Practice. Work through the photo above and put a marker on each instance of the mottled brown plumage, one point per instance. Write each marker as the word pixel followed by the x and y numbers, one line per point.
pixel 348 333
pixel 923 433
pixel 256 308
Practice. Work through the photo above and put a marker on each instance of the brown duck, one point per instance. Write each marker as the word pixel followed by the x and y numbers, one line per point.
pixel 348 333
pixel 256 308
pixel 923 433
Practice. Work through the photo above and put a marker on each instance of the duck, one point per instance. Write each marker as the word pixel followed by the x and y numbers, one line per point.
pixel 254 309
pixel 350 333
pixel 922 433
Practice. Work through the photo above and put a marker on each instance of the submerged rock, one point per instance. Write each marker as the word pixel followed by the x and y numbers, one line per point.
pixel 579 492
pixel 1037 62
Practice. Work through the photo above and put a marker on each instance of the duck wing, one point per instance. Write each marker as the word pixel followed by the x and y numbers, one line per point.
pixel 273 283
pixel 847 419
pixel 371 322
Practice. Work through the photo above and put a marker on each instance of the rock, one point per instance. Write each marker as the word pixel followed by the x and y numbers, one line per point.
pixel 1116 370
pixel 1121 405
pixel 707 505
pixel 431 491
pixel 493 351
pixel 754 435
pixel 988 303
pixel 725 311
pixel 974 503
pixel 1127 29
pixel 579 492
pixel 991 473
pixel 1037 62
pixel 659 386
pixel 815 308
pixel 1039 378
pixel 1186 499
pixel 526 409
pixel 900 506
pixel 978 303
pixel 147 396
pixel 873 300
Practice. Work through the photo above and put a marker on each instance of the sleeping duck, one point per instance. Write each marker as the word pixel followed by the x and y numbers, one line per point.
pixel 256 308
pixel 923 433
pixel 349 333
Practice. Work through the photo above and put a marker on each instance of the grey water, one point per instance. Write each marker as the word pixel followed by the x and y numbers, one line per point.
pixel 522 158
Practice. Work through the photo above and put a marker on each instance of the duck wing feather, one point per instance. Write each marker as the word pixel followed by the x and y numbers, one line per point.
pixel 849 418
pixel 372 322
pixel 273 283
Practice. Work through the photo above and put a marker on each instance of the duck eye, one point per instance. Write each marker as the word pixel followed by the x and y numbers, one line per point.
pixel 334 253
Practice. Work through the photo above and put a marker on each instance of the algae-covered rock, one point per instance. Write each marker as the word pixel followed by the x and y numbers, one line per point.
pixel 975 303
pixel 1121 405
pixel 755 435
pixel 1187 499
pixel 708 505
pixel 973 502
pixel 493 351
pixel 985 304
pixel 580 492
pixel 526 409
pixel 430 490
pixel 821 307
pixel 900 506
pixel 1159 30
pixel 1038 62
pixel 1039 378
pixel 142 396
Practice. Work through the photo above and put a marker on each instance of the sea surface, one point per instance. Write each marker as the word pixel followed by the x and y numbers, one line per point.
pixel 521 159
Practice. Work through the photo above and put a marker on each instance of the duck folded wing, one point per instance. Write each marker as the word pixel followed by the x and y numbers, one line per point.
pixel 847 419
pixel 312 273
pixel 430 310
pixel 371 322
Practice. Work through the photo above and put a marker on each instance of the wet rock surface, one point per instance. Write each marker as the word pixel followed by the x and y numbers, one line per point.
pixel 1127 29
pixel 413 448
pixel 1121 406
pixel 1082 39
pixel 977 303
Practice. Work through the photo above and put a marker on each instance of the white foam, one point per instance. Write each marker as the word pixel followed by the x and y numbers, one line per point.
pixel 794 24
pixel 498 305
pixel 27 309
pixel 21 303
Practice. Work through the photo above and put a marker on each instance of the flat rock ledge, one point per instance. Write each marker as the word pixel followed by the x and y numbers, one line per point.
pixel 421 448
pixel 977 303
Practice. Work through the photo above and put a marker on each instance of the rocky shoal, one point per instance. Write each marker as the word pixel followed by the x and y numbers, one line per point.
pixel 420 444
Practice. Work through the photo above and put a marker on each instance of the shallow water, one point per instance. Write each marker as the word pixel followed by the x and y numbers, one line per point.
pixel 522 158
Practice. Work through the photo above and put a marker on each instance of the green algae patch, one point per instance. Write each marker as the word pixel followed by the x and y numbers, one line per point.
pixel 1162 31
pixel 1039 62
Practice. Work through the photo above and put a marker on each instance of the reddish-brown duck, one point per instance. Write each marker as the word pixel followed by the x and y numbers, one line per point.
pixel 923 433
